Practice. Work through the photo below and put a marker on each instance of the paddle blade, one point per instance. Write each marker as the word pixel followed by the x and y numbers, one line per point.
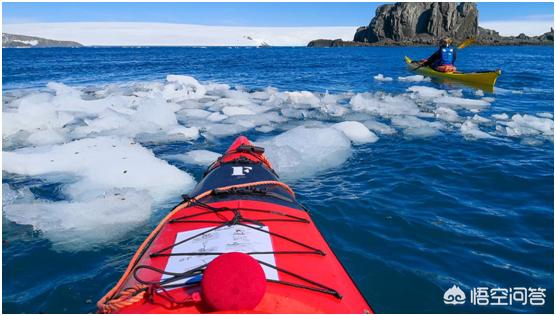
pixel 466 43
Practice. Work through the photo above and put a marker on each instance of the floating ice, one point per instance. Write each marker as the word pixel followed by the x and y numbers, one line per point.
pixel 11 196
pixel 106 180
pixel 479 119
pixel 93 172
pixel 417 127
pixel 77 225
pixel 234 110
pixel 356 132
pixel 187 133
pixel 545 115
pixel 529 125
pixel 196 157
pixel 331 107
pixel 221 130
pixel 502 117
pixel 46 137
pixel 426 92
pixel 470 129
pixel 447 114
pixel 194 113
pixel 183 88
pixel 217 117
pixel 100 164
pixel 183 109
pixel 265 129
pixel 302 99
pixel 414 78
pixel 457 102
pixel 383 104
pixel 302 151
pixel 378 127
pixel 380 77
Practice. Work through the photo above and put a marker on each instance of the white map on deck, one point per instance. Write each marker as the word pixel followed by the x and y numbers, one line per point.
pixel 235 238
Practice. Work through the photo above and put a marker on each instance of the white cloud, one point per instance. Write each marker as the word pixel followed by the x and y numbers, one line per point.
pixel 167 34
pixel 528 27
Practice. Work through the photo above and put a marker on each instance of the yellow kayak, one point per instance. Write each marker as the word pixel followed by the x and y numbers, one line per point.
pixel 483 79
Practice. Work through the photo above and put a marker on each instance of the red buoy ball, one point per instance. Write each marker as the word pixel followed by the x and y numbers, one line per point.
pixel 233 281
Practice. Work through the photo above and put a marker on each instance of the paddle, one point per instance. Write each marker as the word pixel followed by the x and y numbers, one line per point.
pixel 466 43
pixel 463 45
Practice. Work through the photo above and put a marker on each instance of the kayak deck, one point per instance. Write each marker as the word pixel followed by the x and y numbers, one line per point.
pixel 238 207
pixel 483 80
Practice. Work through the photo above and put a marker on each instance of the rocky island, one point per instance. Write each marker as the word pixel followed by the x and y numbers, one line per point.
pixel 23 41
pixel 422 23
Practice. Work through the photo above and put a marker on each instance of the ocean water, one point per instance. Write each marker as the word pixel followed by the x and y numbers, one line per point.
pixel 437 185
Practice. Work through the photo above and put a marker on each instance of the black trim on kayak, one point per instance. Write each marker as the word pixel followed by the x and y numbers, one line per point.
pixel 226 175
pixel 483 72
pixel 213 209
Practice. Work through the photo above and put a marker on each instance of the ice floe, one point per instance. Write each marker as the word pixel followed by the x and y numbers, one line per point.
pixel 196 157
pixel 501 116
pixel 302 151
pixel 102 179
pixel 462 103
pixel 416 127
pixel 414 78
pixel 356 132
pixel 447 114
pixel 381 77
pixel 426 92
pixel 529 125
pixel 545 115
pixel 470 129
pixel 379 127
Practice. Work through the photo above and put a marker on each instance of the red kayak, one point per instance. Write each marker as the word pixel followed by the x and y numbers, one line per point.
pixel 239 243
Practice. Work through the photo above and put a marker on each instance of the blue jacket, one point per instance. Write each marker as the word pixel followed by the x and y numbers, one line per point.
pixel 443 56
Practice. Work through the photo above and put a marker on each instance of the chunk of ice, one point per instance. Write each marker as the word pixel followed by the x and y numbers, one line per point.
pixel 414 78
pixel 356 132
pixel 196 157
pixel 302 152
pixel 380 77
pixel 378 127
pixel 469 129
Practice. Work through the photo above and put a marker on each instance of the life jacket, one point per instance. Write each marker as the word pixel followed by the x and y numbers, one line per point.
pixel 445 68
pixel 446 55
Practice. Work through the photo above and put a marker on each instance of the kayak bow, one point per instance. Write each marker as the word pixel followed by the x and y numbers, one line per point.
pixel 484 79
pixel 209 253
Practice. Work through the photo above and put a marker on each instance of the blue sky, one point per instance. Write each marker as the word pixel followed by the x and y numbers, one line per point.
pixel 241 14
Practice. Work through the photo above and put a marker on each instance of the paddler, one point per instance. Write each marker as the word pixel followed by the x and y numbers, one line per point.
pixel 444 58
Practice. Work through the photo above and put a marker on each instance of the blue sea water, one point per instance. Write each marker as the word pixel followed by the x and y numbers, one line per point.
pixel 408 216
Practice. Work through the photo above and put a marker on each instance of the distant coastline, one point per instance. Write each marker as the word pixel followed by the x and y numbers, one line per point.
pixel 23 41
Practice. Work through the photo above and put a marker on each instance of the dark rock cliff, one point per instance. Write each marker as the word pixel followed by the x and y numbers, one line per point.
pixel 423 23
